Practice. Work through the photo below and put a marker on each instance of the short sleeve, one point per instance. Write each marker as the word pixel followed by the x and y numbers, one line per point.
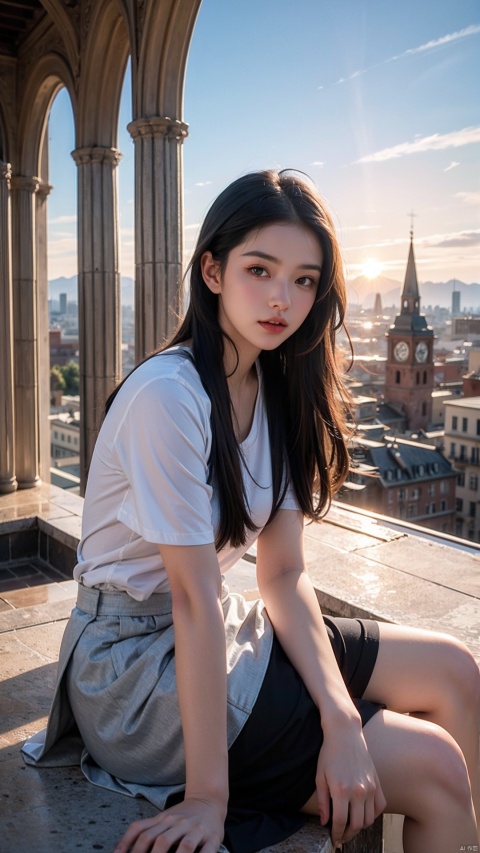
pixel 290 500
pixel 163 445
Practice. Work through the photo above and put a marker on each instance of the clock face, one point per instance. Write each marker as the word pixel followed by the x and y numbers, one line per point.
pixel 401 351
pixel 421 351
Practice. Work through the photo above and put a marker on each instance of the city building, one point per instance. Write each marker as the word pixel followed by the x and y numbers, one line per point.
pixel 404 479
pixel 409 372
pixel 462 446
pixel 466 328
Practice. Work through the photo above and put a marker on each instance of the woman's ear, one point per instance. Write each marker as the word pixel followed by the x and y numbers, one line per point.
pixel 211 272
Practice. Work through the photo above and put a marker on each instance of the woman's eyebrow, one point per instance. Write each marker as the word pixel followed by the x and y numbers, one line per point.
pixel 266 257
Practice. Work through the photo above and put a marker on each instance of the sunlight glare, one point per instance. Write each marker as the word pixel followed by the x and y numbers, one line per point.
pixel 372 268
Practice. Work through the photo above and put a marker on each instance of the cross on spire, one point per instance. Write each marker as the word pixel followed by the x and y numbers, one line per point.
pixel 412 216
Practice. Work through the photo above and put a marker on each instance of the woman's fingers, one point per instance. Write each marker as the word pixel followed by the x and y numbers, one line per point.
pixel 183 826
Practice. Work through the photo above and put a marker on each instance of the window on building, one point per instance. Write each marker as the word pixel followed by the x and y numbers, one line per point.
pixel 424 377
pixel 464 424
pixel 55 433
pixel 389 497
pixel 424 408
pixel 411 510
pixel 454 422
pixel 399 473
pixel 415 494
pixel 69 439
pixel 401 494
pixel 463 453
pixel 431 490
pixel 444 487
pixel 421 470
pixel 461 479
pixel 478 426
pixel 443 506
pixel 475 455
pixel 430 509
pixel 75 441
pixel 472 509
pixel 397 377
pixel 459 527
pixel 473 482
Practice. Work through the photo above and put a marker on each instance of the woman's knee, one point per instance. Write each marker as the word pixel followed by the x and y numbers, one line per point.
pixel 462 675
pixel 441 768
pixel 420 766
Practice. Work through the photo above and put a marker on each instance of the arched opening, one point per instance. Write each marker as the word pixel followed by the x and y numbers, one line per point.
pixel 126 210
pixel 64 414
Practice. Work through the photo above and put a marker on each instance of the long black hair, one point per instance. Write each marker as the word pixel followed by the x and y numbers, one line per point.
pixel 304 393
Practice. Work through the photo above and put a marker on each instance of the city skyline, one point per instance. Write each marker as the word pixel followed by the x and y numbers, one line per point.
pixel 374 101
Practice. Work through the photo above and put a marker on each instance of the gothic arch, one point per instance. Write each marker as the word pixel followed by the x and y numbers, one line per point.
pixel 67 24
pixel 166 35
pixel 103 69
pixel 45 79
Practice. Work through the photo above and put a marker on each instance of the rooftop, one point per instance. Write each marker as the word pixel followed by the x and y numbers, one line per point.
pixel 361 565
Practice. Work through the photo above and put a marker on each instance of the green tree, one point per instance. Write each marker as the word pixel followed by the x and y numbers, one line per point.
pixel 57 382
pixel 71 375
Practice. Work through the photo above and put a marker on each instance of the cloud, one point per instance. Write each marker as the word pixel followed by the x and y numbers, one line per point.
pixel 202 183
pixel 317 163
pixel 361 228
pixel 60 220
pixel 436 142
pixel 453 165
pixel 469 197
pixel 460 240
pixel 471 30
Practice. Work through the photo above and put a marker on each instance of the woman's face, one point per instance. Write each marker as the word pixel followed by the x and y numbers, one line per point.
pixel 268 285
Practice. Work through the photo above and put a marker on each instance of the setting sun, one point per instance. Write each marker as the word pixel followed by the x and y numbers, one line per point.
pixel 371 268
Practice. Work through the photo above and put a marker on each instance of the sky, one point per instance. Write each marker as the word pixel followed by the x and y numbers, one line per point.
pixel 378 101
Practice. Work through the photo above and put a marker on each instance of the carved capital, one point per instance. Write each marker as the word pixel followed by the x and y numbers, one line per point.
pixel 6 172
pixel 25 183
pixel 44 189
pixel 97 154
pixel 158 126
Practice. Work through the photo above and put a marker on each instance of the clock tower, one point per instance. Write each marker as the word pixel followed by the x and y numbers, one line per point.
pixel 409 369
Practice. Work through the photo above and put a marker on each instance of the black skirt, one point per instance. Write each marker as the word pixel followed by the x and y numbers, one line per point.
pixel 273 762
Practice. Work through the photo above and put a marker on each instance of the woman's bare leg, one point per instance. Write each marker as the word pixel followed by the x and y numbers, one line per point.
pixel 424 777
pixel 433 677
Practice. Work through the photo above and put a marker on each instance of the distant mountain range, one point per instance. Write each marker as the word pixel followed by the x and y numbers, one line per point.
pixel 361 290
pixel 69 286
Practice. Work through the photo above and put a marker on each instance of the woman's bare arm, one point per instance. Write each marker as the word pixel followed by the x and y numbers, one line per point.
pixel 200 660
pixel 345 770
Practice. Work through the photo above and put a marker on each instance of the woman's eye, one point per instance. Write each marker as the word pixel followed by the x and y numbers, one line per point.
pixel 306 281
pixel 258 271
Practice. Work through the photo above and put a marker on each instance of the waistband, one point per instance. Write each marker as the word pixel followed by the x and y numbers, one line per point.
pixel 96 602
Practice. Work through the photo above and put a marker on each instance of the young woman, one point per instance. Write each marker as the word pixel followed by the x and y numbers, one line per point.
pixel 235 722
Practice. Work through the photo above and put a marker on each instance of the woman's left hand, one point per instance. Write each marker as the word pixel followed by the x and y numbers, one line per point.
pixel 348 788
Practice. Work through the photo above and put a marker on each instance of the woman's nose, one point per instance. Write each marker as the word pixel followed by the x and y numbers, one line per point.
pixel 280 295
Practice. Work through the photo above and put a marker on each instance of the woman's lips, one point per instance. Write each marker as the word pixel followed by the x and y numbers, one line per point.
pixel 274 325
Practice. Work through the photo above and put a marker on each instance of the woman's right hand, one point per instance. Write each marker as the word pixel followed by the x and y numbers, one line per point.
pixel 193 824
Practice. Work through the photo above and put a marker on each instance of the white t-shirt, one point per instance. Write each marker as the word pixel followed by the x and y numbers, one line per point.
pixel 148 481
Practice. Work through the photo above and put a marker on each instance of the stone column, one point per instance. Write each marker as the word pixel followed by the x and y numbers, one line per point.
pixel 158 229
pixel 8 482
pixel 25 303
pixel 98 290
pixel 43 341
